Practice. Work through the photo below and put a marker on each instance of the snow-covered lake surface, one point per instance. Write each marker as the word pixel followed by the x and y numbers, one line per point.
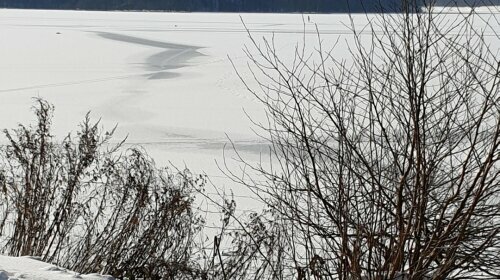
pixel 164 78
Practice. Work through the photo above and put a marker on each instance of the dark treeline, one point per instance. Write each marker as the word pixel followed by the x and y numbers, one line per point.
pixel 312 6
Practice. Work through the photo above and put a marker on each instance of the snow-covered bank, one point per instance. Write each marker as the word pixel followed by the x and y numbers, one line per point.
pixel 30 268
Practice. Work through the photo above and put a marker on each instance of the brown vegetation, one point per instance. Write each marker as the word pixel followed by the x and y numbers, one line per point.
pixel 88 206
pixel 385 165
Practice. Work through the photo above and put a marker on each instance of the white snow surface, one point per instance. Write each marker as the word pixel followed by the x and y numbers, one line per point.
pixel 18 268
pixel 165 78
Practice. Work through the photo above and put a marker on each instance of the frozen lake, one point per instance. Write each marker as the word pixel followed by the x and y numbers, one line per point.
pixel 164 78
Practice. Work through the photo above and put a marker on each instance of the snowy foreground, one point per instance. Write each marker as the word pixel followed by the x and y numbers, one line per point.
pixel 12 268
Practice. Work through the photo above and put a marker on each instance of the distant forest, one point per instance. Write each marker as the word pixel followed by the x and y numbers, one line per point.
pixel 277 6
pixel 285 6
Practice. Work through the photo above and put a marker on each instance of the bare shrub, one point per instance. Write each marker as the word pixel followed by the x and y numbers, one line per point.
pixel 91 206
pixel 385 165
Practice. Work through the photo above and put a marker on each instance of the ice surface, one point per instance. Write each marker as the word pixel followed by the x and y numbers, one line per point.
pixel 165 78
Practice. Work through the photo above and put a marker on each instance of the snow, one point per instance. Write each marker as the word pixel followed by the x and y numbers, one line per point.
pixel 13 268
pixel 164 78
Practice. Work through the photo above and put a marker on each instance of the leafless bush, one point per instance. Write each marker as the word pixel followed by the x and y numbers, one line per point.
pixel 91 207
pixel 386 165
